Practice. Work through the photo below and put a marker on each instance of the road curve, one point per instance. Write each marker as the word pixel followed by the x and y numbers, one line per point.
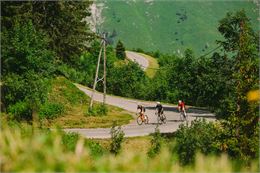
pixel 139 59
pixel 133 129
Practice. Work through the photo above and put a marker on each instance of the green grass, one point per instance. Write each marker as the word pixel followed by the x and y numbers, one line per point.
pixel 76 104
pixel 35 150
pixel 154 26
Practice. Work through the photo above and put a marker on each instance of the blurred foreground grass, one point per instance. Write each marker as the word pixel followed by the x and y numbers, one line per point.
pixel 33 150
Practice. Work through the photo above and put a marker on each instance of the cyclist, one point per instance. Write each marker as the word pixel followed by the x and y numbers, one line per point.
pixel 181 107
pixel 159 108
pixel 142 111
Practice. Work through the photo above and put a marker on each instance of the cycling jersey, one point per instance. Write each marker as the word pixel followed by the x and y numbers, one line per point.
pixel 142 108
pixel 182 105
pixel 159 107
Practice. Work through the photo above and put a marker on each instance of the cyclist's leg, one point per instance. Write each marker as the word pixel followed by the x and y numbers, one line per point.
pixel 142 115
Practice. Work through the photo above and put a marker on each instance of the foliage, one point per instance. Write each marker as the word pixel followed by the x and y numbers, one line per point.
pixel 51 110
pixel 236 144
pixel 241 40
pixel 48 151
pixel 20 111
pixel 97 110
pixel 120 50
pixel 156 143
pixel 117 137
pixel 66 29
pixel 69 140
pixel 200 136
pixel 96 150
pixel 127 80
pixel 27 65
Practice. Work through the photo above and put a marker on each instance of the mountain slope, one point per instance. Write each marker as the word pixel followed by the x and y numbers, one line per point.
pixel 169 26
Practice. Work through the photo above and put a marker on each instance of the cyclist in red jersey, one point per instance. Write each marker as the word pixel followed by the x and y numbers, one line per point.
pixel 181 106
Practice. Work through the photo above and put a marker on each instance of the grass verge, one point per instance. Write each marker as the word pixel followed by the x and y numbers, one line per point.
pixel 37 150
pixel 153 65
pixel 66 107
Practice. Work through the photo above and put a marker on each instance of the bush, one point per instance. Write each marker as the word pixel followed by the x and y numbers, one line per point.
pixel 69 140
pixel 200 136
pixel 20 111
pixel 71 73
pixel 96 150
pixel 117 137
pixel 51 110
pixel 97 110
pixel 156 143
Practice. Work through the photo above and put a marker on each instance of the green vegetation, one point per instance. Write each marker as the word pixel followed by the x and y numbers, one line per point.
pixel 156 143
pixel 170 26
pixel 68 107
pixel 35 42
pixel 153 65
pixel 120 50
pixel 98 110
pixel 117 136
pixel 43 53
pixel 57 151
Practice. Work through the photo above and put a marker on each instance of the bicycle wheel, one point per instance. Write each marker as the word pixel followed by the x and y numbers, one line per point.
pixel 146 121
pixel 139 120
pixel 163 118
pixel 186 117
pixel 181 116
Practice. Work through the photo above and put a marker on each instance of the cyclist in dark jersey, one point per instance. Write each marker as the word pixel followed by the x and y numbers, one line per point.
pixel 159 108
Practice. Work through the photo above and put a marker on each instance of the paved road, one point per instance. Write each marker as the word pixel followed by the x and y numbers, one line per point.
pixel 141 60
pixel 133 129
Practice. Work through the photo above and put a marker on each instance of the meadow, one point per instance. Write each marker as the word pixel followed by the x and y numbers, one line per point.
pixel 170 26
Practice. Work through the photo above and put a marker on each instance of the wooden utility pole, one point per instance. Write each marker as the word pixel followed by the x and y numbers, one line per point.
pixel 96 80
pixel 105 74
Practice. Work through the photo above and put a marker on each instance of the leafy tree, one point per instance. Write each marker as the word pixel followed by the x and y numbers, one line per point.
pixel 241 40
pixel 26 66
pixel 120 50
pixel 199 136
pixel 63 22
pixel 126 80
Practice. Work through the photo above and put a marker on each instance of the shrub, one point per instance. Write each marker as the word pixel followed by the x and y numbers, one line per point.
pixel 120 50
pixel 156 143
pixel 200 136
pixel 69 140
pixel 96 150
pixel 97 110
pixel 20 111
pixel 51 110
pixel 71 73
pixel 117 137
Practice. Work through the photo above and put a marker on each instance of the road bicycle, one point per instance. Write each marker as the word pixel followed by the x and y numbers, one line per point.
pixel 161 118
pixel 141 120
pixel 183 116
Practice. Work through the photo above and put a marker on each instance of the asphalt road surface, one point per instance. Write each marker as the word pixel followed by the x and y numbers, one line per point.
pixel 133 129
pixel 139 59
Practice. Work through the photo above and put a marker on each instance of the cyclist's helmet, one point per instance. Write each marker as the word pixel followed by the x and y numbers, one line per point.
pixel 179 101
pixel 158 103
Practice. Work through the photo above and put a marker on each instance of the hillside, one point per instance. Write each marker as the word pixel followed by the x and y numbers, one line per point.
pixel 168 26
pixel 74 104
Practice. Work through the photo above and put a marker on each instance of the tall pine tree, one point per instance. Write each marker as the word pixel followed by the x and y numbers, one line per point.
pixel 120 50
